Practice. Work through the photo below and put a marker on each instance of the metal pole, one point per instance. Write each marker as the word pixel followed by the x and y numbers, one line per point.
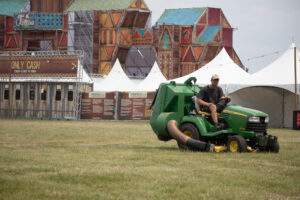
pixel 10 92
pixel 283 109
pixel 296 81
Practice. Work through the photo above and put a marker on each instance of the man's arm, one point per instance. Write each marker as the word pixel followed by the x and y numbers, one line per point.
pixel 222 96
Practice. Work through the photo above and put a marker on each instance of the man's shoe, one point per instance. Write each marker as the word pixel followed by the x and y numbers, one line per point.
pixel 211 148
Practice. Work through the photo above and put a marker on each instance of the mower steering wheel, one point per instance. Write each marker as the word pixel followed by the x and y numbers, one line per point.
pixel 190 81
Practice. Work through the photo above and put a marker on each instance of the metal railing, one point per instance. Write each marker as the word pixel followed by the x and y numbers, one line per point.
pixel 78 53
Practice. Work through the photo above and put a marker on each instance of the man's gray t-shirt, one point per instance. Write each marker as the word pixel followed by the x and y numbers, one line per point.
pixel 211 94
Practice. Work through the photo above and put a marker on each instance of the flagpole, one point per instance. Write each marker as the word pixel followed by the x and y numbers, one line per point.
pixel 296 81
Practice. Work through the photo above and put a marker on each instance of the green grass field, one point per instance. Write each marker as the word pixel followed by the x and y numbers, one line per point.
pixel 124 160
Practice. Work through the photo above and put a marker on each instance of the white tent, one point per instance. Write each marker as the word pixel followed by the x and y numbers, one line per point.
pixel 277 102
pixel 86 78
pixel 116 80
pixel 97 79
pixel 280 73
pixel 231 75
pixel 272 90
pixel 136 80
pixel 153 80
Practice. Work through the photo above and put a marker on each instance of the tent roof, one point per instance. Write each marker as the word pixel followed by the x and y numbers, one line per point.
pixel 153 80
pixel 11 7
pixel 85 77
pixel 224 66
pixel 279 73
pixel 182 16
pixel 80 5
pixel 116 80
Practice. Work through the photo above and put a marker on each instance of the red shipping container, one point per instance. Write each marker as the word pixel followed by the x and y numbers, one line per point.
pixel 214 16
pixel 296 123
pixel 11 38
pixel 9 24
pixel 186 35
pixel 227 37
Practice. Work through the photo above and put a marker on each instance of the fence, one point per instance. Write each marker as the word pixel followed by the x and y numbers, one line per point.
pixel 117 105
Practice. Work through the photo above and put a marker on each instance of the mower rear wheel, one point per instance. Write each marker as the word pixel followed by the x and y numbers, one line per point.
pixel 189 130
pixel 236 144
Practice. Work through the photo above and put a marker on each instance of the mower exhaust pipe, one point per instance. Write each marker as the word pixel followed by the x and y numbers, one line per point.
pixel 190 143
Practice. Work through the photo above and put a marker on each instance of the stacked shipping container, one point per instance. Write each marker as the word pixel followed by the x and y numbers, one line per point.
pixel 188 38
pixel 183 40
pixel 33 25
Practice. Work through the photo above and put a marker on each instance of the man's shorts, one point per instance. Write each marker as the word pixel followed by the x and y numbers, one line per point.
pixel 220 107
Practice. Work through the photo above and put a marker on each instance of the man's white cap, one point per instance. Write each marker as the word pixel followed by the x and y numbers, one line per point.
pixel 215 77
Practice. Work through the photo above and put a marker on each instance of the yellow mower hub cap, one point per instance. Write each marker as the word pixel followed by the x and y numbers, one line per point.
pixel 188 133
pixel 219 149
pixel 233 146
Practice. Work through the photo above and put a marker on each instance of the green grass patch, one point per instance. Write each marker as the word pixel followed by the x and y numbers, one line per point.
pixel 125 160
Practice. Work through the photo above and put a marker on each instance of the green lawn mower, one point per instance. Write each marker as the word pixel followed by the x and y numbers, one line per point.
pixel 175 116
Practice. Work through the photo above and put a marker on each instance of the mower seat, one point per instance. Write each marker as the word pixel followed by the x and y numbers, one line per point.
pixel 204 114
pixel 201 112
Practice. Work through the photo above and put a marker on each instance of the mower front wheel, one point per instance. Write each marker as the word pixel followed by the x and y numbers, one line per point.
pixel 236 144
pixel 268 143
pixel 273 145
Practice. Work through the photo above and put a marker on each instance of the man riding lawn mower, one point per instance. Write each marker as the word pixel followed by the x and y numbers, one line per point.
pixel 212 100
pixel 200 119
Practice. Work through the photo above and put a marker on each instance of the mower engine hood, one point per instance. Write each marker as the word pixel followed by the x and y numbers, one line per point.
pixel 243 111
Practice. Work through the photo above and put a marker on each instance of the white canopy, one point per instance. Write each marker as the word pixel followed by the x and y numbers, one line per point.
pixel 231 75
pixel 264 90
pixel 116 80
pixel 153 80
pixel 136 80
pixel 280 73
pixel 86 78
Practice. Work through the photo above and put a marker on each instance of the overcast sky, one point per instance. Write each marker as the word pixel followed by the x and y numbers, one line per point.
pixel 263 26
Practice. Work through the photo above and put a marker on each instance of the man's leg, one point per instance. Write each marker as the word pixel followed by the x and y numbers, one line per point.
pixel 214 114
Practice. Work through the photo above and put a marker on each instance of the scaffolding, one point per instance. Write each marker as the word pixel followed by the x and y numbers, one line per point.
pixel 42 54
pixel 80 36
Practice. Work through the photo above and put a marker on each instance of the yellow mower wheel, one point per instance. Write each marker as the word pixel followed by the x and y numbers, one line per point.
pixel 236 144
pixel 188 133
pixel 233 146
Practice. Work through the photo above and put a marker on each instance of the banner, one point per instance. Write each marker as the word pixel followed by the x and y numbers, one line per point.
pixel 30 66
pixel 38 21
